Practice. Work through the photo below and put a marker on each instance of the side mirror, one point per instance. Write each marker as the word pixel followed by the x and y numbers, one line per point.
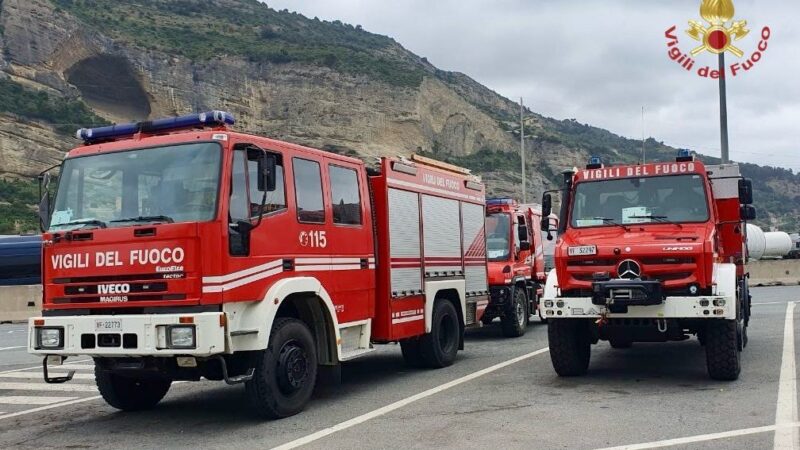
pixel 747 212
pixel 544 224
pixel 44 211
pixel 524 246
pixel 45 180
pixel 547 205
pixel 745 191
pixel 266 170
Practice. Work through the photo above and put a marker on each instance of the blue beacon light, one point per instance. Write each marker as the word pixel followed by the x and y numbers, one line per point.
pixel 208 118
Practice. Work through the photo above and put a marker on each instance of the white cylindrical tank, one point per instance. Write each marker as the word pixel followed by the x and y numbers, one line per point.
pixel 756 242
pixel 778 244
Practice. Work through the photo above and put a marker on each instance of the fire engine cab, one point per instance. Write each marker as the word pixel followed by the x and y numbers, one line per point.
pixel 516 254
pixel 178 249
pixel 650 253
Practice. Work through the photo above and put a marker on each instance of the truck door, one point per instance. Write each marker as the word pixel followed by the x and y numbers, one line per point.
pixel 522 247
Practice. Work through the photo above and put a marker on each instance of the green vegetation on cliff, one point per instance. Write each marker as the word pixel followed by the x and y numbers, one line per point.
pixel 17 214
pixel 206 29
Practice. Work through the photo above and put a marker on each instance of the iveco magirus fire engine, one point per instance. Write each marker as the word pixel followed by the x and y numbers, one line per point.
pixel 650 253
pixel 178 249
pixel 516 253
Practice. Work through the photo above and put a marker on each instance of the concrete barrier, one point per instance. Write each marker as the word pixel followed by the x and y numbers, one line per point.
pixel 774 272
pixel 18 303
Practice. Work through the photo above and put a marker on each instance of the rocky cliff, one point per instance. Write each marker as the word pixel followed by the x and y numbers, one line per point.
pixel 325 84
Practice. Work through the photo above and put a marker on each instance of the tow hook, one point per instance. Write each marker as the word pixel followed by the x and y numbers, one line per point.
pixel 662 325
pixel 55 380
pixel 235 379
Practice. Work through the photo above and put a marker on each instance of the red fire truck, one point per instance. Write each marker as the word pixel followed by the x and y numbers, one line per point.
pixel 177 249
pixel 650 253
pixel 515 250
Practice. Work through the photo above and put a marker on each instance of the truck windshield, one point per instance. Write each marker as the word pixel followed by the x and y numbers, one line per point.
pixel 498 233
pixel 680 198
pixel 176 183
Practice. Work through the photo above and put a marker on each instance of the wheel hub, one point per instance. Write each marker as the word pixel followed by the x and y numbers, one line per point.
pixel 520 309
pixel 292 367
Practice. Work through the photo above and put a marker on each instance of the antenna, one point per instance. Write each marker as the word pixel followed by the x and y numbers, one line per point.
pixel 644 160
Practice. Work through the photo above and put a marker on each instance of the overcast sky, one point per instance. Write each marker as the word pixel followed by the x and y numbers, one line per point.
pixel 601 61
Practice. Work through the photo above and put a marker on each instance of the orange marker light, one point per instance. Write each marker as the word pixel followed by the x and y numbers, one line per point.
pixel 186 319
pixel 38 322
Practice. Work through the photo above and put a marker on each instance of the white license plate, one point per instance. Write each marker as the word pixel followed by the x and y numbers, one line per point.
pixel 107 325
pixel 582 250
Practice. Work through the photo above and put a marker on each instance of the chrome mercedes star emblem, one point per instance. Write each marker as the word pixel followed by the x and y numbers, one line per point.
pixel 629 269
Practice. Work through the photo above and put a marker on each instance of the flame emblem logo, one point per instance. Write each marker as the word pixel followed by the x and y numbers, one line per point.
pixel 717 37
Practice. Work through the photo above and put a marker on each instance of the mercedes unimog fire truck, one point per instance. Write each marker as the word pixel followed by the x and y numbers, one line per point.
pixel 650 253
pixel 177 249
pixel 515 250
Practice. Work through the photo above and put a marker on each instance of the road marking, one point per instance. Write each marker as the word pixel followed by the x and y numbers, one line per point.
pixel 40 366
pixel 776 303
pixel 43 408
pixel 786 409
pixel 401 403
pixel 32 400
pixel 11 348
pixel 38 375
pixel 71 367
pixel 64 387
pixel 703 437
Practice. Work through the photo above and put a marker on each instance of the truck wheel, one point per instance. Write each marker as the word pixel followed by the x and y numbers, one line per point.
pixel 515 319
pixel 439 347
pixel 570 346
pixel 412 354
pixel 285 372
pixel 722 349
pixel 128 393
pixel 620 343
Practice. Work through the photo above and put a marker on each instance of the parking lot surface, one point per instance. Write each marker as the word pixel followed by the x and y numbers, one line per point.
pixel 501 393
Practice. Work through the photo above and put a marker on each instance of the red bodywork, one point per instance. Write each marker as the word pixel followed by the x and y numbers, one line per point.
pixel 528 264
pixel 675 255
pixel 192 261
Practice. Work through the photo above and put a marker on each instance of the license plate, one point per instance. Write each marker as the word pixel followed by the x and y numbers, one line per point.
pixel 107 325
pixel 582 250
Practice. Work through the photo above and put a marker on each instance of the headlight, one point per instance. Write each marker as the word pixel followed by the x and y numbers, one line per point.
pixel 50 337
pixel 181 336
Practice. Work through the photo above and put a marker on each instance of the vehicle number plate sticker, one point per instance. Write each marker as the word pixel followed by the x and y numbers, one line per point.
pixel 582 250
pixel 107 325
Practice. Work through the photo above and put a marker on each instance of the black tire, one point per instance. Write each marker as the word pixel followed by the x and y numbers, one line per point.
pixel 412 354
pixel 570 346
pixel 620 343
pixel 130 393
pixel 439 347
pixel 286 371
pixel 723 357
pixel 515 320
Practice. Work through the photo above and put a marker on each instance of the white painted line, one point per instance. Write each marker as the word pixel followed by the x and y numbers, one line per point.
pixel 11 348
pixel 702 437
pixel 786 409
pixel 62 387
pixel 43 408
pixel 775 303
pixel 71 367
pixel 401 403
pixel 40 366
pixel 32 400
pixel 39 376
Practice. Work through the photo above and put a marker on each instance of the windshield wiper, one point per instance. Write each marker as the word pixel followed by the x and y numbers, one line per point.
pixel 612 222
pixel 96 222
pixel 659 219
pixel 166 219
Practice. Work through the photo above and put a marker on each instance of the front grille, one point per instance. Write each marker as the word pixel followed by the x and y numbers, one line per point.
pixel 117 298
pixel 110 278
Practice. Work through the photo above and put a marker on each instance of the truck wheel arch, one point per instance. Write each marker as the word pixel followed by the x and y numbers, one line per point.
pixel 250 323
pixel 453 290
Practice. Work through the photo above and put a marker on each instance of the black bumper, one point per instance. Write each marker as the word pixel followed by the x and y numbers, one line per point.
pixel 627 292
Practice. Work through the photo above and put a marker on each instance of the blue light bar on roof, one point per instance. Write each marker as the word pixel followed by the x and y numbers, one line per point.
pixel 203 119
pixel 595 162
pixel 500 201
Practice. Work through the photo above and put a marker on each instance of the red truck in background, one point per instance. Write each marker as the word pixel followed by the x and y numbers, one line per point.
pixel 650 253
pixel 177 249
pixel 516 253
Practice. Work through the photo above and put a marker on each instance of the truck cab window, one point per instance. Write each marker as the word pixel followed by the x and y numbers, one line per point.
pixel 276 200
pixel 239 201
pixel 345 196
pixel 308 191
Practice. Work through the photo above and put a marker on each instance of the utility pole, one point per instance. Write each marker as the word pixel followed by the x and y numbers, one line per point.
pixel 644 160
pixel 522 148
pixel 723 110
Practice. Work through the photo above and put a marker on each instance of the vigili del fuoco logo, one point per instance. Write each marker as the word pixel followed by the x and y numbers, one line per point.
pixel 719 33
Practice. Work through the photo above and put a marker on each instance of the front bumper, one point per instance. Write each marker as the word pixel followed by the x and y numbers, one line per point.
pixel 132 335
pixel 699 307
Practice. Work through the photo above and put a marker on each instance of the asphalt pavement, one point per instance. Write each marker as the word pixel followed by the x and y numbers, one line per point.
pixel 500 393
